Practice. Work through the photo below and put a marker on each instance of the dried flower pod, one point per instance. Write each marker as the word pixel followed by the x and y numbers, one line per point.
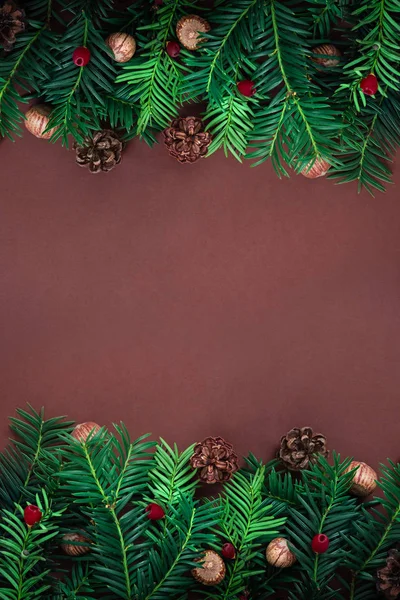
pixel 122 45
pixel 82 431
pixel 364 479
pixel 12 22
pixel 212 570
pixel 279 555
pixel 329 55
pixel 317 168
pixel 215 459
pixel 388 578
pixel 100 151
pixel 302 447
pixel 186 139
pixel 37 119
pixel 188 31
pixel 73 544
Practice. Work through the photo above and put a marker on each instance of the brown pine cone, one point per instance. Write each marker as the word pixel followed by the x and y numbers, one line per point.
pixel 302 447
pixel 215 459
pixel 388 578
pixel 186 139
pixel 11 23
pixel 100 152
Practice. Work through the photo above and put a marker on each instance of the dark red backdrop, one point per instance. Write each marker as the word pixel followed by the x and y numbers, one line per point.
pixel 212 299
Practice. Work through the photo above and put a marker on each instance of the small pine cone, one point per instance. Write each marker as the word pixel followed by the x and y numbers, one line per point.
pixel 75 544
pixel 325 51
pixel 388 578
pixel 215 459
pixel 188 30
pixel 186 139
pixel 302 447
pixel 317 168
pixel 37 119
pixel 122 45
pixel 82 431
pixel 212 570
pixel 100 152
pixel 11 24
pixel 364 479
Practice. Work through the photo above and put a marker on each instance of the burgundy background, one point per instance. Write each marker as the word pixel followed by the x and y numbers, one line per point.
pixel 188 301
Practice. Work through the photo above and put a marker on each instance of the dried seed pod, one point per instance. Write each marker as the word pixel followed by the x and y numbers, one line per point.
pixel 279 555
pixel 122 45
pixel 364 479
pixel 73 544
pixel 83 430
pixel 37 119
pixel 189 29
pixel 212 570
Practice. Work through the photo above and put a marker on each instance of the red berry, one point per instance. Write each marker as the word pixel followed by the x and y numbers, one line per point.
pixel 320 543
pixel 228 551
pixel 32 514
pixel 246 88
pixel 173 49
pixel 155 512
pixel 369 85
pixel 81 56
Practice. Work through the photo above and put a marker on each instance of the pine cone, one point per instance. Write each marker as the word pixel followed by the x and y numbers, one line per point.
pixel 186 139
pixel 388 578
pixel 11 23
pixel 301 447
pixel 215 460
pixel 102 152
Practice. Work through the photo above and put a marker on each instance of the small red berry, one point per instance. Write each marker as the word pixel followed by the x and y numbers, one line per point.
pixel 320 543
pixel 32 515
pixel 81 56
pixel 173 49
pixel 155 512
pixel 228 551
pixel 246 88
pixel 369 85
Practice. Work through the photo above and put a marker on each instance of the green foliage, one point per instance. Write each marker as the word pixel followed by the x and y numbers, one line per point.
pixel 21 552
pixel 154 78
pixel 77 93
pixel 101 488
pixel 32 460
pixel 248 521
pixel 27 67
pixel 326 508
pixel 373 535
pixel 301 111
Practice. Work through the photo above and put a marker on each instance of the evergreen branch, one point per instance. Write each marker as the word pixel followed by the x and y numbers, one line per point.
pixel 21 552
pixel 375 534
pixel 153 79
pixel 224 41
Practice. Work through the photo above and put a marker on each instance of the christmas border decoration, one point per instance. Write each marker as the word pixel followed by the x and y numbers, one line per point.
pixel 312 86
pixel 87 513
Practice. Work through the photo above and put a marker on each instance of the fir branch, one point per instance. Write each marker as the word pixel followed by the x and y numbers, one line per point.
pixel 326 508
pixel 77 93
pixel 374 535
pixel 248 522
pixel 22 67
pixel 153 78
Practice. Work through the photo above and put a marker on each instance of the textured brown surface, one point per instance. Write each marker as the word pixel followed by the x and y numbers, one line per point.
pixel 196 301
